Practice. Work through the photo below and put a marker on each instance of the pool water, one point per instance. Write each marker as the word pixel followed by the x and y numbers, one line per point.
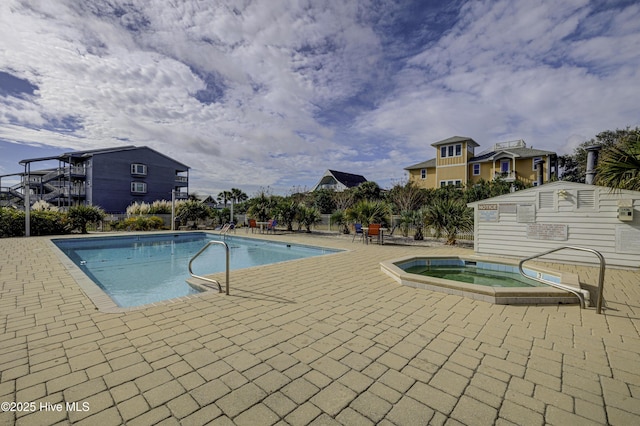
pixel 138 270
pixel 475 275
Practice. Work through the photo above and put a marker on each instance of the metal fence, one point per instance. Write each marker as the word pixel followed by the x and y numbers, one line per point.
pixel 325 225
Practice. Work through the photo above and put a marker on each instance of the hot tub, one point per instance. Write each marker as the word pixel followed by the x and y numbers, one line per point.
pixel 491 280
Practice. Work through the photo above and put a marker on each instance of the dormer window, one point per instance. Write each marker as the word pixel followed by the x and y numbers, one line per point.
pixel 139 169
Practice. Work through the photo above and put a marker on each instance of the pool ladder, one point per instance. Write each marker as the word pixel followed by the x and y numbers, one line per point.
pixel 567 288
pixel 209 244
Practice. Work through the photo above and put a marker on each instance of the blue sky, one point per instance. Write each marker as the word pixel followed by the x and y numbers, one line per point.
pixel 271 93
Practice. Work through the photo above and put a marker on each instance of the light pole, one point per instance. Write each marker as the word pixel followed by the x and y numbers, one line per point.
pixel 27 202
pixel 173 209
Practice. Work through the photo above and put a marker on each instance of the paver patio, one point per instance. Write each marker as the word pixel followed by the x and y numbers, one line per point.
pixel 325 340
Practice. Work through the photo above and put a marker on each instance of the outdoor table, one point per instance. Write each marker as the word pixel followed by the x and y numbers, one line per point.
pixel 365 229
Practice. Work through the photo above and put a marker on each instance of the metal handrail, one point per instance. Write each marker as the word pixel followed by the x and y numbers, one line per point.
pixel 563 287
pixel 210 279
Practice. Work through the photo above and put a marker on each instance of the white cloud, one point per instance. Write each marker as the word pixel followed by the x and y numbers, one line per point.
pixel 296 87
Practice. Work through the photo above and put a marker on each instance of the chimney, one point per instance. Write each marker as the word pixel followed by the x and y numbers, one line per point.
pixel 592 161
pixel 540 170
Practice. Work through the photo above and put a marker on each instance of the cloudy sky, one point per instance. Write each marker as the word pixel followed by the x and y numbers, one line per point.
pixel 271 93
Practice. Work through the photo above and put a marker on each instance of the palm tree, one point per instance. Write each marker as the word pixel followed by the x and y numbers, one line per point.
pixel 308 216
pixel 238 196
pixel 286 210
pixel 339 218
pixel 262 206
pixel 619 167
pixel 366 212
pixel 80 216
pixel 224 197
pixel 449 217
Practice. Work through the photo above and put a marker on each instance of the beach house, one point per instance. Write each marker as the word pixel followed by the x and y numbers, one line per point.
pixel 456 163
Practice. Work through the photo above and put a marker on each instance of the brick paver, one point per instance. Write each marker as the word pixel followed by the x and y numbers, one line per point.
pixel 325 340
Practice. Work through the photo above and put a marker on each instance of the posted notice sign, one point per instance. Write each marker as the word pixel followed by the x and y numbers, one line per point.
pixel 488 213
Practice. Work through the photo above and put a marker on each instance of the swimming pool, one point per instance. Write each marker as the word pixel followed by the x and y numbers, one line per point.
pixel 143 269
pixel 493 280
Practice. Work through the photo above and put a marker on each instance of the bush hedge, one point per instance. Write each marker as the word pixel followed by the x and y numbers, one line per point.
pixel 46 222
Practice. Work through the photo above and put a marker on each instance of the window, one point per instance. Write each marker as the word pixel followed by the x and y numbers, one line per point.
pixel 138 169
pixel 423 173
pixel 457 183
pixel 139 187
pixel 451 150
pixel 476 169
pixel 534 161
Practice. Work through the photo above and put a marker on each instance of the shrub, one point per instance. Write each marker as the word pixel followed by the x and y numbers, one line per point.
pixel 449 217
pixel 140 223
pixel 81 216
pixel 11 222
pixel 46 222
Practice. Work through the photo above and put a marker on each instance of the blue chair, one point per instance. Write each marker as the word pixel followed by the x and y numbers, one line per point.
pixel 358 231
pixel 271 226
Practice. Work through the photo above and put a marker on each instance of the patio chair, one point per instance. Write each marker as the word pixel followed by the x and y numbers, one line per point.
pixel 271 226
pixel 374 231
pixel 358 231
pixel 252 225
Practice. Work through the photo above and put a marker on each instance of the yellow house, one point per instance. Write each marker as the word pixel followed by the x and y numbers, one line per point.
pixel 456 164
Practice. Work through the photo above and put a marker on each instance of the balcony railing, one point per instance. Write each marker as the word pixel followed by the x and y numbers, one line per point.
pixel 182 179
pixel 509 176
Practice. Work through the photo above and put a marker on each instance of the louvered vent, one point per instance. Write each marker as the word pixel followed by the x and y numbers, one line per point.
pixel 546 200
pixel 586 199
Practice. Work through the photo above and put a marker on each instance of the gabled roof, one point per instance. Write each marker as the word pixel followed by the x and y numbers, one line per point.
pixel 424 165
pixel 456 139
pixel 331 177
pixel 347 179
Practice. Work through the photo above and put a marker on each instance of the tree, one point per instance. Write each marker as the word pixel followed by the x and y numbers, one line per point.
pixel 287 210
pixel 262 206
pixel 224 197
pixel 366 212
pixel 619 165
pixel 573 167
pixel 449 217
pixel 308 216
pixel 339 218
pixel 407 197
pixel 238 196
pixel 192 210
pixel 343 200
pixel 324 200
pixel 367 191
pixel 81 216
pixel 487 189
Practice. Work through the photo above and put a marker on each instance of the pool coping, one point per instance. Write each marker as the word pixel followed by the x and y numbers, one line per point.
pixel 496 295
pixel 104 303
